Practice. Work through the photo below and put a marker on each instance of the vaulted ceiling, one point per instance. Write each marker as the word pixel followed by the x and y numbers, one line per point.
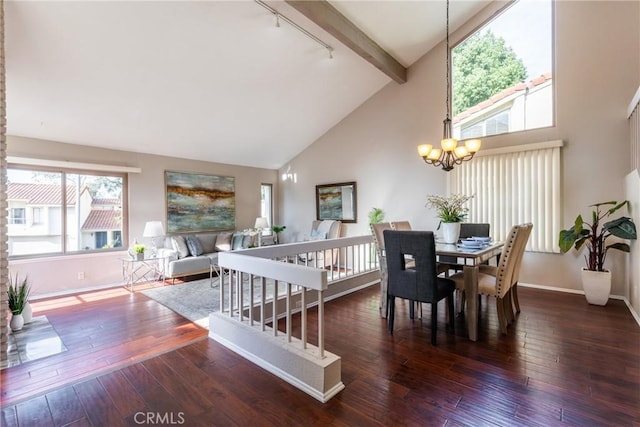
pixel 207 80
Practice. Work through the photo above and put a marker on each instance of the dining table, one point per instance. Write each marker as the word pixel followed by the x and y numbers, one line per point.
pixel 470 259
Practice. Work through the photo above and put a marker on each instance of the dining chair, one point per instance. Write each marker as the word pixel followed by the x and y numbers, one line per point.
pixel 496 281
pixel 401 225
pixel 378 237
pixel 467 229
pixel 420 283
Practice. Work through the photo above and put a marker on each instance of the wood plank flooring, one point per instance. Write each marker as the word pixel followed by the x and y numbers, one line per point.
pixel 131 361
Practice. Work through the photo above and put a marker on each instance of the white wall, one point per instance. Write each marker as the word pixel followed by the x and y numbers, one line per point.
pixel 146 202
pixel 597 73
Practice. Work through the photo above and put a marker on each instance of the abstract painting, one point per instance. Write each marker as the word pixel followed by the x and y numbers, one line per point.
pixel 198 202
pixel 337 201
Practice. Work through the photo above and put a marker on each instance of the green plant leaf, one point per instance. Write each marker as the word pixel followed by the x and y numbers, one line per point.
pixel 624 247
pixel 622 227
pixel 566 239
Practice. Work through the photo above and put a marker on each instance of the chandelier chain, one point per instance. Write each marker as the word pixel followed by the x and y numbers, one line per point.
pixel 448 65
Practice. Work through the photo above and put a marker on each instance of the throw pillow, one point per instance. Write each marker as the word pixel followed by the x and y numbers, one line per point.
pixel 180 246
pixel 223 242
pixel 316 235
pixel 236 241
pixel 195 248
pixel 207 241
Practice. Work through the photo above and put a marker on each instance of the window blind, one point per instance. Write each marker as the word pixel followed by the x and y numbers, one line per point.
pixel 515 185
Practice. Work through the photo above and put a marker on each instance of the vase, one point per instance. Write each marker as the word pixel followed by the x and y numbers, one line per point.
pixel 596 285
pixel 450 232
pixel 17 322
pixel 27 313
pixel 139 256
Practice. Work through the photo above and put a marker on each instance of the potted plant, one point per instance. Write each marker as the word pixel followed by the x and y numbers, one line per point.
pixel 596 280
pixel 18 296
pixel 138 250
pixel 376 216
pixel 451 212
pixel 277 229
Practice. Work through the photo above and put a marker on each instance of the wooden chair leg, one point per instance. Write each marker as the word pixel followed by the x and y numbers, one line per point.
pixel 501 316
pixel 412 312
pixel 508 308
pixel 514 293
pixel 434 320
pixel 451 311
pixel 391 305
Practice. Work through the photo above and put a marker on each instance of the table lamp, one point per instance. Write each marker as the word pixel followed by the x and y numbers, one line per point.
pixel 153 229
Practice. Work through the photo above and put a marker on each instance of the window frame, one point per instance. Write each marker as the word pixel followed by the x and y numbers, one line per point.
pixel 63 211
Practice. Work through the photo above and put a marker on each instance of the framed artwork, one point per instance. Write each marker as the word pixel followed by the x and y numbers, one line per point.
pixel 198 202
pixel 337 201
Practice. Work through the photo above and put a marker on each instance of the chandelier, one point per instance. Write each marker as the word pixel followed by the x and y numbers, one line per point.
pixel 450 153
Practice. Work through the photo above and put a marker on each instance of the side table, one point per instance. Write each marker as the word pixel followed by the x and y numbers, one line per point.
pixel 149 269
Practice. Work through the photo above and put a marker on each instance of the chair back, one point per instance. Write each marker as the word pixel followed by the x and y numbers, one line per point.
pixel 401 225
pixel 523 238
pixel 508 261
pixel 469 229
pixel 418 283
pixel 377 230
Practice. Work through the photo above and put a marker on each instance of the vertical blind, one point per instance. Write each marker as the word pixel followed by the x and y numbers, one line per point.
pixel 515 185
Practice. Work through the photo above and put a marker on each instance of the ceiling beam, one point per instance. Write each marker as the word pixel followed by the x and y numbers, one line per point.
pixel 336 24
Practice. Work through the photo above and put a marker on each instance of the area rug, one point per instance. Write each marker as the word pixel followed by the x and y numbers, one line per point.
pixel 197 299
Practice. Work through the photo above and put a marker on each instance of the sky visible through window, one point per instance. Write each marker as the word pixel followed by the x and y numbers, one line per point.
pixel 526 27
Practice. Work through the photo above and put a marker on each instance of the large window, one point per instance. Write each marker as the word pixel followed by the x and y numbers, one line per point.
pixel 503 73
pixel 60 211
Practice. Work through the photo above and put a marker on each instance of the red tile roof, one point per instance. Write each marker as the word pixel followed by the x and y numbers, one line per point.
pixel 40 194
pixel 501 95
pixel 103 219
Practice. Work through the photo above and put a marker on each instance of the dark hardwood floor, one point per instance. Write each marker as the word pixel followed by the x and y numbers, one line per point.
pixel 131 361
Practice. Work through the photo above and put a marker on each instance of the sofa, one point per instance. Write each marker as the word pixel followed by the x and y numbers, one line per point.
pixel 197 253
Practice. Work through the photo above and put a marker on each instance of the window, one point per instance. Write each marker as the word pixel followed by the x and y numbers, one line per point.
pixel 70 211
pixel 16 216
pixel 503 76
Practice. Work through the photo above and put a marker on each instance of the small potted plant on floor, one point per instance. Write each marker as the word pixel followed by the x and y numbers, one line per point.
pixel 18 296
pixel 596 280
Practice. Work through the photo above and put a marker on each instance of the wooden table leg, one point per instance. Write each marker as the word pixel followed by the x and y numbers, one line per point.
pixel 383 292
pixel 471 294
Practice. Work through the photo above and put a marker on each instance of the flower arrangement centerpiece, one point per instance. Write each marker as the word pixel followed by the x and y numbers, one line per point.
pixel 450 210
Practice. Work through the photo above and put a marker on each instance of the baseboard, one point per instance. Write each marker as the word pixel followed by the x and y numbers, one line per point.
pixel 580 292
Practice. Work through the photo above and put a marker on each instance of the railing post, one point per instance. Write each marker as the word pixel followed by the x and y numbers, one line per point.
pixel 303 317
pixel 321 323
pixel 288 315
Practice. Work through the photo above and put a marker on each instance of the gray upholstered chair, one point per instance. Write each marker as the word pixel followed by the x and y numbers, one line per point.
pixel 321 230
pixel 420 283
pixel 377 231
pixel 523 238
pixel 497 281
pixel 401 225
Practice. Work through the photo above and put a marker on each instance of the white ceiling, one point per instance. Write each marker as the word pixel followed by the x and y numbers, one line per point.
pixel 207 80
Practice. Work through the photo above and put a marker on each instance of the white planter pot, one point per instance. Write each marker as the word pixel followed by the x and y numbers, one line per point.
pixel 597 286
pixel 450 232
pixel 27 313
pixel 17 322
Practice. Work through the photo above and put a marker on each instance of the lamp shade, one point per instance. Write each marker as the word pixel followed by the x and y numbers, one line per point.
pixel 261 222
pixel 153 229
